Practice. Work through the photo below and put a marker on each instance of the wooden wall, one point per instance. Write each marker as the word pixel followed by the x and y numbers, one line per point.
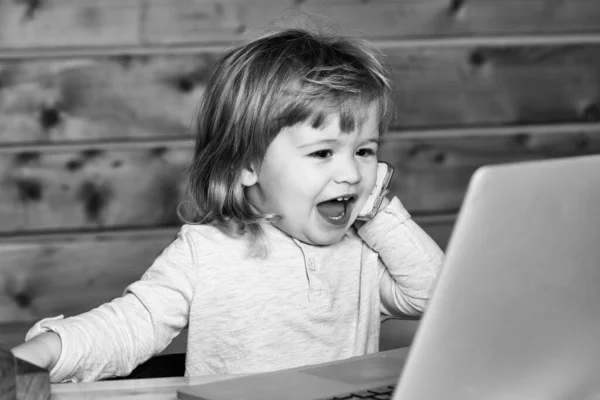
pixel 97 98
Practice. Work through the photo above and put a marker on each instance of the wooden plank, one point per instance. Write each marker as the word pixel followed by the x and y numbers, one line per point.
pixel 193 21
pixel 72 274
pixel 12 334
pixel 91 188
pixel 471 85
pixel 432 173
pixel 98 23
pixel 48 275
pixel 518 16
pixel 140 185
pixel 99 98
pixel 209 21
pixel 57 23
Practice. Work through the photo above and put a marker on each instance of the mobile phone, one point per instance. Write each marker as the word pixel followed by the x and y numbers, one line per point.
pixel 384 175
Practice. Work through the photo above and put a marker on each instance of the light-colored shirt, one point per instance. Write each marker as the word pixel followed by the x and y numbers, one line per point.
pixel 300 304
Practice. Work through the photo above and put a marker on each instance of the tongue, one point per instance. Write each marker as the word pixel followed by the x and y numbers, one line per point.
pixel 332 209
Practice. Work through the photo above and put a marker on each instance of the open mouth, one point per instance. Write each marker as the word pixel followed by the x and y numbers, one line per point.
pixel 337 211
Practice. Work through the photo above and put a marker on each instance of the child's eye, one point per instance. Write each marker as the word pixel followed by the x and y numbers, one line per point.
pixel 322 154
pixel 365 152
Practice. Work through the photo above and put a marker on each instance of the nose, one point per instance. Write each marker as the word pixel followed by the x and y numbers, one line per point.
pixel 348 172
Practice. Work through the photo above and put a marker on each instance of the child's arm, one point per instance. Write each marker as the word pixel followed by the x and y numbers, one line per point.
pixel 411 258
pixel 113 339
pixel 42 350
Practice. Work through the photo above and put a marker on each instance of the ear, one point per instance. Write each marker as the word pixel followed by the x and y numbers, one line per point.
pixel 248 177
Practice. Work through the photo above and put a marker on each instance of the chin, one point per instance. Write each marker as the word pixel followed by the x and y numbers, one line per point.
pixel 326 240
pixel 318 237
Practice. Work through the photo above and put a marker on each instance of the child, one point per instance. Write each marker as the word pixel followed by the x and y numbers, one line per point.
pixel 272 272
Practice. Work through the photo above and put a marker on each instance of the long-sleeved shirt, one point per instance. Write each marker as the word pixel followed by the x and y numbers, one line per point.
pixel 296 304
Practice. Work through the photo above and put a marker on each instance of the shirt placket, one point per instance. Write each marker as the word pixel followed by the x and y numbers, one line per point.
pixel 311 267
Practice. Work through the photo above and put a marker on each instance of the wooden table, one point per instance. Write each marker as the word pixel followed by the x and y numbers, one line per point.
pixel 138 389
pixel 152 389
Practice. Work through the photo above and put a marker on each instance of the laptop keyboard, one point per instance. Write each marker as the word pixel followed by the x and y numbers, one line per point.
pixel 379 393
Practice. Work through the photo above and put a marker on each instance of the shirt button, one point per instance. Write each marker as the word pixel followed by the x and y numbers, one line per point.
pixel 312 265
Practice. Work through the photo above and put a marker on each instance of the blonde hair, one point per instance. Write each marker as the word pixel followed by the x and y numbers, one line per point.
pixel 281 79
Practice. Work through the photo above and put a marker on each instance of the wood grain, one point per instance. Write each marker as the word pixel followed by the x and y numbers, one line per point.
pixel 131 389
pixel 432 172
pixel 12 334
pixel 127 97
pixel 98 23
pixel 74 99
pixel 206 21
pixel 97 100
pixel 91 188
pixel 20 380
pixel 33 382
pixel 8 375
pixel 26 24
pixel 462 85
pixel 69 274
pixel 125 185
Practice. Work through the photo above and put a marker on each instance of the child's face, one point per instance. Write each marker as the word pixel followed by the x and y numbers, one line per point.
pixel 305 171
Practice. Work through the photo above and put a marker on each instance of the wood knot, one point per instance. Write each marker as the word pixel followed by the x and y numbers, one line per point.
pixel 522 139
pixel 455 6
pixel 31 8
pixel 49 118
pixel 90 154
pixel 27 157
pixel 74 165
pixel 476 58
pixel 417 149
pixel 439 158
pixel 22 299
pixel 95 198
pixel 29 189
pixel 125 60
pixel 158 151
pixel 185 85
pixel 240 29
pixel 591 113
pixel 582 142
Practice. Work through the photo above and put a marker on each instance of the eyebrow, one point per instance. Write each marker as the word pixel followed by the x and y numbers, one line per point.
pixel 376 141
pixel 319 142
pixel 333 141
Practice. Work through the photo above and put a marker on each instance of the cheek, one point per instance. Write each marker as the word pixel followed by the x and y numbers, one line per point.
pixel 370 179
pixel 280 187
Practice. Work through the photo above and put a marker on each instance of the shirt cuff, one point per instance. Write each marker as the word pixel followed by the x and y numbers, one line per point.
pixel 60 371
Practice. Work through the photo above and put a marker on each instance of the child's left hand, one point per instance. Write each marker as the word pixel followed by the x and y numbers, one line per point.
pixel 384 202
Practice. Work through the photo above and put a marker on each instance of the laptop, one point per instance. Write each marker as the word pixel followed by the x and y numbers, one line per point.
pixel 515 313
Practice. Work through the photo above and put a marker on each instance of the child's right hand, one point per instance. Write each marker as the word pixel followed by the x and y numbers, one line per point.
pixel 43 350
